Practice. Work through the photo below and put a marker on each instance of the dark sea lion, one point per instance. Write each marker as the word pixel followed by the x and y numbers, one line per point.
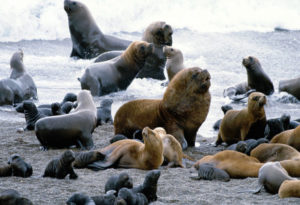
pixel 224 108
pixel 107 199
pixel 132 154
pixel 149 186
pixel 87 39
pixel 116 74
pixel 80 199
pixel 19 167
pixel 82 159
pixel 6 171
pixel 291 86
pixel 72 129
pixel 56 109
pixel 69 97
pixel 104 112
pixel 293 124
pixel 117 138
pixel 241 146
pixel 252 143
pixel 60 167
pixel 10 92
pixel 276 126
pixel 289 188
pixel 32 114
pixel 236 124
pixel 117 182
pixel 174 62
pixel 132 198
pixel 67 107
pixel 209 172
pixel 181 112
pixel 12 197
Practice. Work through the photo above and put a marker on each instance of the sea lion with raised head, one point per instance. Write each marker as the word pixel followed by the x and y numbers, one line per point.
pixel 104 112
pixel 87 39
pixel 174 62
pixel 236 124
pixel 117 182
pixel 19 167
pixel 116 74
pixel 72 129
pixel 291 86
pixel 33 114
pixel 12 197
pixel 181 112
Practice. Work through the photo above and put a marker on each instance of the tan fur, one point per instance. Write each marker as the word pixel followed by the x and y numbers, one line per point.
pixel 158 33
pixel 289 137
pixel 282 137
pixel 181 112
pixel 236 124
pixel 236 164
pixel 174 62
pixel 85 102
pixel 289 188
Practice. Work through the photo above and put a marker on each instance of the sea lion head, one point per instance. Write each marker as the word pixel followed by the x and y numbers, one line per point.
pixel 151 137
pixel 241 146
pixel 125 180
pixel 56 108
pixel 161 131
pixel 251 63
pixel 137 52
pixel 106 103
pixel 16 61
pixel 159 33
pixel 13 158
pixel 71 7
pixel 68 156
pixel 85 101
pixel 29 106
pixel 172 53
pixel 70 97
pixel 256 101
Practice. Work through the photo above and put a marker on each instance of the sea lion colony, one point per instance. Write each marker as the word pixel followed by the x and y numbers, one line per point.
pixel 178 115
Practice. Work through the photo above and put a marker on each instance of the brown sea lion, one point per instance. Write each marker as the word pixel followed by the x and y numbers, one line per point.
pixel 181 112
pixel 289 137
pixel 72 129
pixel 116 74
pixel 174 62
pixel 12 197
pixel 87 39
pixel 289 188
pixel 236 164
pixel 60 167
pixel 236 124
pixel 291 86
pixel 132 154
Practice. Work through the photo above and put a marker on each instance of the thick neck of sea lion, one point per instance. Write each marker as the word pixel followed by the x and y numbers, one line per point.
pixel 257 112
pixel 17 67
pixel 132 60
pixel 31 114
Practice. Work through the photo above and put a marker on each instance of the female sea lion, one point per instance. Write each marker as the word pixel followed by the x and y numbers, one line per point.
pixel 118 182
pixel 116 74
pixel 19 167
pixel 72 129
pixel 132 154
pixel 289 188
pixel 104 112
pixel 181 112
pixel 60 167
pixel 174 62
pixel 236 124
pixel 12 197
pixel 87 39
pixel 291 86
pixel 289 137
pixel 236 164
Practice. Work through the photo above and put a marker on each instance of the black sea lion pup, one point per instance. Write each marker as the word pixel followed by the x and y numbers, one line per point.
pixel 116 74
pixel 87 39
pixel 72 129
pixel 207 171
pixel 59 168
pixel 276 126
pixel 12 197
pixel 104 112
pixel 108 198
pixel 118 182
pixel 149 187
pixel 132 197
pixel 6 171
pixel 19 166
pixel 80 199
pixel 291 86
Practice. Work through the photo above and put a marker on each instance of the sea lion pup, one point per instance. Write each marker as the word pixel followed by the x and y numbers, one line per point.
pixel 132 198
pixel 181 112
pixel 236 164
pixel 117 182
pixel 108 198
pixel 19 167
pixel 82 159
pixel 132 154
pixel 209 172
pixel 80 199
pixel 236 124
pixel 104 112
pixel 289 137
pixel 241 146
pixel 174 62
pixel 289 188
pixel 116 74
pixel 276 126
pixel 69 97
pixel 224 108
pixel 62 166
pixel 32 114
pixel 274 152
pixel 247 146
pixel 6 171
pixel 12 197
pixel 87 39
pixel 72 129
pixel 291 86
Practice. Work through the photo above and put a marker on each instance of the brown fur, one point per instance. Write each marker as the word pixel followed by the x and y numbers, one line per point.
pixel 174 62
pixel 282 137
pixel 236 124
pixel 236 164
pixel 158 33
pixel 181 112
pixel 289 188
pixel 291 86
pixel 289 137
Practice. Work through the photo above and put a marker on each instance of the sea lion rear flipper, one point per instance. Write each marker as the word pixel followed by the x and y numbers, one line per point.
pixel 108 162
pixel 255 191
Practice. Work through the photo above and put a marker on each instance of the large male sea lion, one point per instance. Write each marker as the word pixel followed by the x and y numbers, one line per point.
pixel 72 129
pixel 132 154
pixel 236 124
pixel 116 74
pixel 291 86
pixel 87 39
pixel 181 112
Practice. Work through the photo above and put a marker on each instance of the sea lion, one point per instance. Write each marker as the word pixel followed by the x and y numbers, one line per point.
pixel 289 188
pixel 72 129
pixel 276 126
pixel 289 137
pixel 236 124
pixel 181 112
pixel 241 146
pixel 87 39
pixel 174 62
pixel 132 154
pixel 207 171
pixel 291 86
pixel 80 199
pixel 6 171
pixel 236 164
pixel 10 92
pixel 116 74
pixel 82 159
pixel 117 182
pixel 69 97
pixel 33 114
pixel 224 108
pixel 247 146
pixel 62 166
pixel 132 198
pixel 19 167
pixel 104 112
pixel 108 198
pixel 117 138
pixel 12 197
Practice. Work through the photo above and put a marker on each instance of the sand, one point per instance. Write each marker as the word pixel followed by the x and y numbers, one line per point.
pixel 174 185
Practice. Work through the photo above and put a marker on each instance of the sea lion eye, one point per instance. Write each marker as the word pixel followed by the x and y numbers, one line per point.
pixel 142 48
pixel 194 75
pixel 172 49
pixel 159 33
pixel 256 98
pixel 74 3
